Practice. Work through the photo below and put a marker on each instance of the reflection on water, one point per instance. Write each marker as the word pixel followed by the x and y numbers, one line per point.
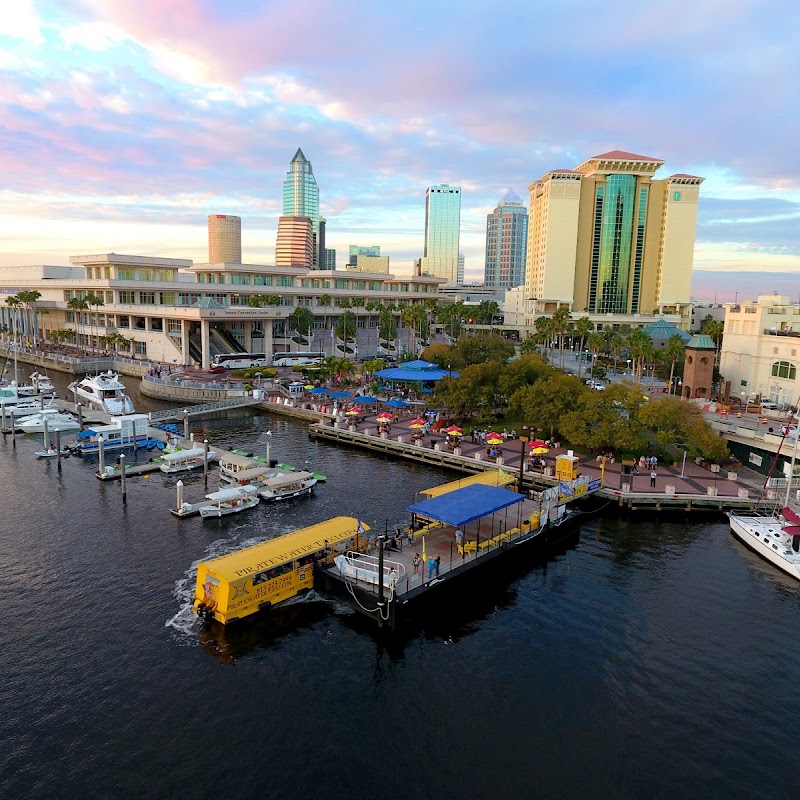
pixel 642 660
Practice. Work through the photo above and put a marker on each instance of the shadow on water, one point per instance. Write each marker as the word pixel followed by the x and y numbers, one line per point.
pixel 761 569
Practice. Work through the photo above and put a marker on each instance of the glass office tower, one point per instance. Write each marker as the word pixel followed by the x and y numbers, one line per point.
pixel 301 194
pixel 442 232
pixel 506 243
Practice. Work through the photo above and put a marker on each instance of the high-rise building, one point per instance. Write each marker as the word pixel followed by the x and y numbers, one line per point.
pixel 359 250
pixel 442 231
pixel 224 239
pixel 301 195
pixel 609 238
pixel 506 243
pixel 330 258
pixel 294 246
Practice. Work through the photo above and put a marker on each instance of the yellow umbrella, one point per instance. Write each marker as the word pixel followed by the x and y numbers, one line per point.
pixel 493 441
pixel 539 451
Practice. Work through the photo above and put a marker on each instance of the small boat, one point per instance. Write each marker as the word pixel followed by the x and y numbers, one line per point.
pixel 40 385
pixel 129 430
pixel 27 407
pixel 185 460
pixel 285 485
pixel 52 452
pixel 55 422
pixel 229 501
pixel 290 468
pixel 104 391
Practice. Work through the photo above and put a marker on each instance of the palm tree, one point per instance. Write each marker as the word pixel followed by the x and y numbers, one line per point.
pixel 387 328
pixel 28 298
pixel 560 323
pixel 673 351
pixel 78 305
pixel 596 342
pixel 583 327
pixel 346 327
pixel 95 302
pixel 302 320
pixel 14 303
pixel 640 346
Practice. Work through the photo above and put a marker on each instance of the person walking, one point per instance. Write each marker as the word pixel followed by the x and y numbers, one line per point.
pixel 415 562
pixel 437 561
pixel 653 476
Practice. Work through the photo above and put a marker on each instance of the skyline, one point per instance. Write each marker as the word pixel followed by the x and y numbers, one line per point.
pixel 125 124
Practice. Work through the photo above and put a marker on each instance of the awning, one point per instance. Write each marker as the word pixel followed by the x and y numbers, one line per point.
pixel 466 505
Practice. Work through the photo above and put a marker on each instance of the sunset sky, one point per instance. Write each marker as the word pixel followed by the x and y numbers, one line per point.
pixel 126 122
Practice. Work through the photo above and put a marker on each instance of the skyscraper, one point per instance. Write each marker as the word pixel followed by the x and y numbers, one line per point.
pixel 609 238
pixel 442 232
pixel 301 195
pixel 224 239
pixel 294 245
pixel 506 243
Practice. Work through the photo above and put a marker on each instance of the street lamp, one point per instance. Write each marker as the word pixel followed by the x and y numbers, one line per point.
pixel 629 366
pixel 523 439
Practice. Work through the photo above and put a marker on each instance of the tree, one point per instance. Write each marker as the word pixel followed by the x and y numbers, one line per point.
pixel 473 393
pixel 672 353
pixel 545 403
pixel 346 328
pixel 28 298
pixel 78 305
pixel 640 346
pixel 677 426
pixel 302 320
pixel 583 327
pixel 444 355
pixel 544 333
pixel 15 304
pixel 478 348
pixel 387 328
pixel 560 324
pixel 93 301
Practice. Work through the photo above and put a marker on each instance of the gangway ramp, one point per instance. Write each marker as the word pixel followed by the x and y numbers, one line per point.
pixel 203 408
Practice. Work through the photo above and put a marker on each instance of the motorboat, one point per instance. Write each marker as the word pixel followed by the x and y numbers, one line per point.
pixel 52 452
pixel 104 391
pixel 26 406
pixel 229 501
pixel 775 537
pixel 129 430
pixel 40 386
pixel 54 421
pixel 185 460
pixel 285 485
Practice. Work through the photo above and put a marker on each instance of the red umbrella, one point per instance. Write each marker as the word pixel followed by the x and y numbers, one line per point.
pixel 385 415
pixel 537 443
pixel 454 429
pixel 417 423
pixel 355 410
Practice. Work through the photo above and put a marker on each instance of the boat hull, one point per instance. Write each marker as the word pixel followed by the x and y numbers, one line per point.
pixel 761 535
pixel 214 512
pixel 270 497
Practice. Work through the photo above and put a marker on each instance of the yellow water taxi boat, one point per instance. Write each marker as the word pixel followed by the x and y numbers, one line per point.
pixel 246 581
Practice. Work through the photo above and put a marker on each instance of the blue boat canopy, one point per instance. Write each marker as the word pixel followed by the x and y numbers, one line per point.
pixel 86 434
pixel 467 504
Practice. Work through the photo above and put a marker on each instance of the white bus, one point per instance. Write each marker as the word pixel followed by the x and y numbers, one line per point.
pixel 297 359
pixel 239 360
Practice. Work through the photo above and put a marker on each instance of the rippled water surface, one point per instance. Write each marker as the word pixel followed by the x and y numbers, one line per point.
pixel 650 658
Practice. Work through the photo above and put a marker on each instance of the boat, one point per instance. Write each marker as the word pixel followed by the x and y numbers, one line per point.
pixel 104 391
pixel 55 422
pixel 185 460
pixel 256 578
pixel 52 452
pixel 229 501
pixel 775 535
pixel 289 468
pixel 285 485
pixel 26 407
pixel 241 469
pixel 129 430
pixel 40 386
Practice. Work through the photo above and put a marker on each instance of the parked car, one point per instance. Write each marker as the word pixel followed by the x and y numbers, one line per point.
pixel 217 370
pixel 769 405
pixel 593 383
pixel 789 430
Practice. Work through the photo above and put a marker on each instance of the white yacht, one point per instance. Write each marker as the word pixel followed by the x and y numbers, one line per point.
pixel 775 537
pixel 55 422
pixel 104 391
pixel 40 385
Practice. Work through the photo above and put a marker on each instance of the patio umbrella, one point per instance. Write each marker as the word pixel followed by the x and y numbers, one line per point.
pixel 537 443
pixel 540 451
pixel 385 415
pixel 320 390
pixel 364 400
pixel 340 396
pixel 454 429
pixel 417 423
pixel 494 438
pixel 394 403
pixel 354 410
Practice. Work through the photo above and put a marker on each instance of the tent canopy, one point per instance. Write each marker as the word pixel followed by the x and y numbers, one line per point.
pixel 466 505
pixel 415 371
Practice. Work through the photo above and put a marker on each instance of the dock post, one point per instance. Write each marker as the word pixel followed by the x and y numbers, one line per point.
pixel 101 453
pixel 205 462
pixel 123 480
pixel 3 419
pixel 58 449
pixel 179 499
pixel 79 409
pixel 381 601
pixel 185 423
pixel 46 433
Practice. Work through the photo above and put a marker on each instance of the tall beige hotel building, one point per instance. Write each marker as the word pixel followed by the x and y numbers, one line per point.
pixel 608 238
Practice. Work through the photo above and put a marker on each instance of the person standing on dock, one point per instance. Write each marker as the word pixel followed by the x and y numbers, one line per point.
pixel 459 539
pixel 415 562
pixel 431 567
pixel 653 476
pixel 437 561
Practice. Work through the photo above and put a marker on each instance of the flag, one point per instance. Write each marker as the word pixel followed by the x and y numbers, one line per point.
pixel 424 554
pixel 360 528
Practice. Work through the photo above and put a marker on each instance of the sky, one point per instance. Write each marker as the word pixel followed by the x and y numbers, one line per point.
pixel 124 123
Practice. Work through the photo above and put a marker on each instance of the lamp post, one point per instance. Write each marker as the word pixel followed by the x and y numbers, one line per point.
pixel 523 440
pixel 629 366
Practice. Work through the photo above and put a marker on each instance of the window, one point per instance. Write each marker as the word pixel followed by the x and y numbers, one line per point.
pixel 140 348
pixel 285 280
pixel 109 298
pixel 342 285
pixel 147 298
pixel 784 369
pixel 127 297
pixel 146 274
pixel 262 280
pixel 157 324
pixel 123 321
pixel 174 326
pixel 187 298
pixel 126 274
pixel 168 298
pixel 166 274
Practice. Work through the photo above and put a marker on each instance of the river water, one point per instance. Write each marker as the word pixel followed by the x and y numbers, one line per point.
pixel 653 657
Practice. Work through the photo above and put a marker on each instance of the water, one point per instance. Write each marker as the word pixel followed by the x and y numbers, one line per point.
pixel 649 659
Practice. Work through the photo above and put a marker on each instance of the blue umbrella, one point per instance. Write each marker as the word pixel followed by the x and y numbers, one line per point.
pixel 366 400
pixel 339 396
pixel 320 390
pixel 395 403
